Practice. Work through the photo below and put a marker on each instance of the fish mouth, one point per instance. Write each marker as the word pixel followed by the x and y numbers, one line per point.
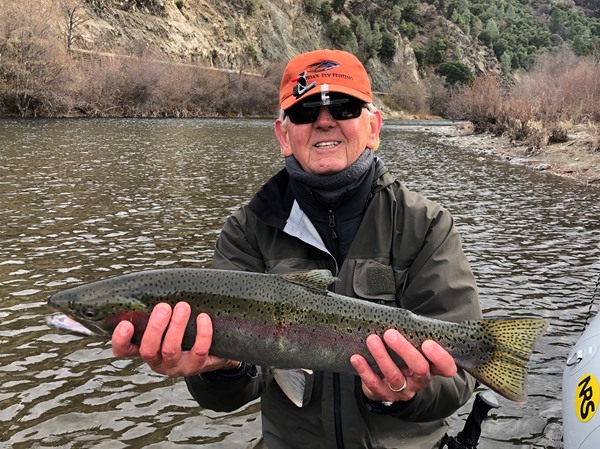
pixel 63 322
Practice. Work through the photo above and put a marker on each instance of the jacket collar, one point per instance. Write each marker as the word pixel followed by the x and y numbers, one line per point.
pixel 274 201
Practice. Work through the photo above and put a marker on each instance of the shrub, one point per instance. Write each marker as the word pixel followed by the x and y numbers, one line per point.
pixel 407 93
pixel 252 6
pixel 388 47
pixel 342 35
pixel 326 12
pixel 369 37
pixel 479 102
pixel 455 72
pixel 408 29
pixel 438 95
pixel 338 5
pixel 311 6
pixel 559 92
pixel 436 50
pixel 419 57
pixel 33 67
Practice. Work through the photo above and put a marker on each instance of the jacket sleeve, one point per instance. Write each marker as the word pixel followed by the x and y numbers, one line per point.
pixel 225 391
pixel 439 284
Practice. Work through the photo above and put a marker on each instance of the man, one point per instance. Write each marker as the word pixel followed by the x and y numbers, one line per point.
pixel 334 206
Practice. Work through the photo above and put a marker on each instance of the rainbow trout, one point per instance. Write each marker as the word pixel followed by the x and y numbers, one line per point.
pixel 293 322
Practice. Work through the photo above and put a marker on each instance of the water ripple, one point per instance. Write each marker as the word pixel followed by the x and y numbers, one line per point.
pixel 86 199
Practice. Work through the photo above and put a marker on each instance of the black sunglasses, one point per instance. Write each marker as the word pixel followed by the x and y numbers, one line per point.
pixel 340 109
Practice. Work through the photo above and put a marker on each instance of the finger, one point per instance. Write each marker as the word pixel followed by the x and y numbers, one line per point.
pixel 416 364
pixel 199 357
pixel 393 377
pixel 121 340
pixel 150 347
pixel 204 336
pixel 442 363
pixel 171 344
pixel 384 361
pixel 373 386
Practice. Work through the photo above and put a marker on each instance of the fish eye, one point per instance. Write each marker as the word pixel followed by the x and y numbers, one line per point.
pixel 90 313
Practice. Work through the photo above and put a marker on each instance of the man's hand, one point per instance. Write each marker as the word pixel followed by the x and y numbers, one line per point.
pixel 401 384
pixel 165 355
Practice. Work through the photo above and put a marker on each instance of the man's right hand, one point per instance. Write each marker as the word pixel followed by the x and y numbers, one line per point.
pixel 165 356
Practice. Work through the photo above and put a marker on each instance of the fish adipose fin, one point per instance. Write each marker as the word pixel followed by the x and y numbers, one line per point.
pixel 512 344
pixel 314 279
pixel 295 383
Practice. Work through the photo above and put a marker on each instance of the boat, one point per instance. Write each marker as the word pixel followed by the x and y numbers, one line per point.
pixel 581 391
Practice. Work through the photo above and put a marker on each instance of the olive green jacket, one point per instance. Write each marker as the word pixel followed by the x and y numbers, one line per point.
pixel 404 238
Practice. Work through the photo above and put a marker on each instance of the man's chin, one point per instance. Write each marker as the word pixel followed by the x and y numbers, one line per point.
pixel 327 167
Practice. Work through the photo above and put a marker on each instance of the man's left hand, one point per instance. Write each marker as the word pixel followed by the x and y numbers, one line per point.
pixel 401 383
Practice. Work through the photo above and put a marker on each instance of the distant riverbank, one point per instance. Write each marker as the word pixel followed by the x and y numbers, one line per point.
pixel 572 159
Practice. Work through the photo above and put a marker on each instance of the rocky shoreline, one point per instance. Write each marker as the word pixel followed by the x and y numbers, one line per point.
pixel 573 159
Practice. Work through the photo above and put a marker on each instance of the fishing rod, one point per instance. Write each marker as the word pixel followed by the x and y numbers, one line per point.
pixel 468 437
pixel 592 301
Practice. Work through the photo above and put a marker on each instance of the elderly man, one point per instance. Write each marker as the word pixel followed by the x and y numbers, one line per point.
pixel 334 206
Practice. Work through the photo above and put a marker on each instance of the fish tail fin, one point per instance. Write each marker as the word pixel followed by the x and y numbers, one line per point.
pixel 511 344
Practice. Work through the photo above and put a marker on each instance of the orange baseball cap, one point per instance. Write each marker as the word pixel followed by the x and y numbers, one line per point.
pixel 322 72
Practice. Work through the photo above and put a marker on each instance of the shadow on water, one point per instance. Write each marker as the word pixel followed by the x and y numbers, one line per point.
pixel 85 199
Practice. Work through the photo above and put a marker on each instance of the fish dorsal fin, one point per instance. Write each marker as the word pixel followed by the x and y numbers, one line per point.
pixel 314 279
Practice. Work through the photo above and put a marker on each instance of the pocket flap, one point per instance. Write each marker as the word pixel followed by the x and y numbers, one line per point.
pixel 373 280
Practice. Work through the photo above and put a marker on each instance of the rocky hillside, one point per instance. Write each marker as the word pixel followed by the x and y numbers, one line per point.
pixel 248 35
pixel 415 51
pixel 498 36
pixel 219 33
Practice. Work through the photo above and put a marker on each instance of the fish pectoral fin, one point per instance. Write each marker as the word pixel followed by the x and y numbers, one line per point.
pixel 315 279
pixel 296 384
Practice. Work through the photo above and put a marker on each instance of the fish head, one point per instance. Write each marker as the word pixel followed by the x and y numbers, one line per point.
pixel 100 309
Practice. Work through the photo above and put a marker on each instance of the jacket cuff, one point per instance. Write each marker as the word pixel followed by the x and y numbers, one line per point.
pixel 386 408
pixel 243 370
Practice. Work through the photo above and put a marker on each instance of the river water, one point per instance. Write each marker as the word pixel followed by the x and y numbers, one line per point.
pixel 85 199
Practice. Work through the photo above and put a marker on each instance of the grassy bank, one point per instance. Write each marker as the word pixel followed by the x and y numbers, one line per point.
pixel 560 96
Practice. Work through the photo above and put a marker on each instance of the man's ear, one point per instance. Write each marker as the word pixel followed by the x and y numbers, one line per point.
pixel 375 123
pixel 282 136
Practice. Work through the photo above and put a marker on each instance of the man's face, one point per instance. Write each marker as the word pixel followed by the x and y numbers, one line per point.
pixel 327 145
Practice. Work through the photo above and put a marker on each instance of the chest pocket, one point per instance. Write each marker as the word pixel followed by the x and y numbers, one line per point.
pixel 377 282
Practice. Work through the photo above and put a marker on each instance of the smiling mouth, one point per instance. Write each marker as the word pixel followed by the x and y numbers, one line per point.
pixel 329 144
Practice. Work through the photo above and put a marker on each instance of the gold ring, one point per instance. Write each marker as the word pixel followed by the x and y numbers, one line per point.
pixel 399 389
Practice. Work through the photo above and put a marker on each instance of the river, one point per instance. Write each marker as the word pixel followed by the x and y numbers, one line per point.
pixel 85 199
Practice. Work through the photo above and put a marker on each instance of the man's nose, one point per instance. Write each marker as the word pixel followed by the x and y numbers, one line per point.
pixel 324 118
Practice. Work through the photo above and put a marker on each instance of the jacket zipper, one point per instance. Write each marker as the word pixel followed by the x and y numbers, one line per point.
pixel 332 223
pixel 334 235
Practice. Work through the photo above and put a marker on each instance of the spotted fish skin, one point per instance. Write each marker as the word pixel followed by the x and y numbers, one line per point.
pixel 293 321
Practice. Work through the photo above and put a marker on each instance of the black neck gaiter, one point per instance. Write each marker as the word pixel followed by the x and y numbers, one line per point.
pixel 331 189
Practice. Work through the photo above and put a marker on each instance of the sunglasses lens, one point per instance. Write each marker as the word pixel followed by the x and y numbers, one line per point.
pixel 346 111
pixel 301 113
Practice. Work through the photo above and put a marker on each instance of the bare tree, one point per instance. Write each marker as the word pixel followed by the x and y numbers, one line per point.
pixel 32 63
pixel 72 22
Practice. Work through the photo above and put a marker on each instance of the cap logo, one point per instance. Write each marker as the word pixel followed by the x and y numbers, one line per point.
pixel 322 66
pixel 301 88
